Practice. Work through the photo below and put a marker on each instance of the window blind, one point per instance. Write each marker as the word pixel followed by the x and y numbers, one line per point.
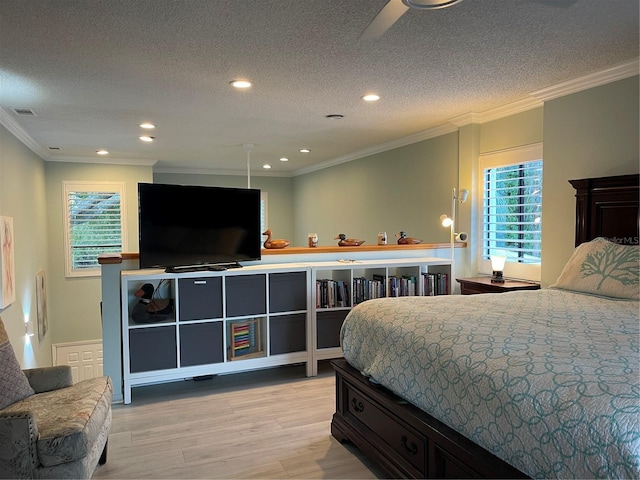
pixel 512 209
pixel 95 226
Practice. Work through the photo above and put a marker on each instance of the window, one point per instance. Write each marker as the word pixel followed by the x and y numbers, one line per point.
pixel 94 224
pixel 511 210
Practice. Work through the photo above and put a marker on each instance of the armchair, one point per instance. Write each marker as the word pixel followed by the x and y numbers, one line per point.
pixel 50 427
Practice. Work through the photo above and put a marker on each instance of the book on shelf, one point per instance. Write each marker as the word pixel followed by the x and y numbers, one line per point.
pixel 435 284
pixel 332 293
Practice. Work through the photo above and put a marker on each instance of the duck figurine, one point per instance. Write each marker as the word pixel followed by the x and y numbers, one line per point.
pixel 149 309
pixel 274 244
pixel 404 240
pixel 348 242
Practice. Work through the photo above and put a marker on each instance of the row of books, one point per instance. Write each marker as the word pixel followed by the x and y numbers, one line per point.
pixel 332 294
pixel 435 284
pixel 336 293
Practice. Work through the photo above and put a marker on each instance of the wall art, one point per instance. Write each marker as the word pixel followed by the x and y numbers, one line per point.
pixel 7 267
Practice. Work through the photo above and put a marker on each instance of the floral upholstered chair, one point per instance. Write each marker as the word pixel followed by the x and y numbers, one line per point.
pixel 50 427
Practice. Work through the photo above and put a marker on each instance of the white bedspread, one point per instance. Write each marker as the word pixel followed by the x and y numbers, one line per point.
pixel 547 380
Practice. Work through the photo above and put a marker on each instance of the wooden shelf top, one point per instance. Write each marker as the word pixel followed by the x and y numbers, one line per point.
pixel 116 258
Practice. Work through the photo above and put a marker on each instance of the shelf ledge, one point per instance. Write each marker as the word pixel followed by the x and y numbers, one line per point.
pixel 115 258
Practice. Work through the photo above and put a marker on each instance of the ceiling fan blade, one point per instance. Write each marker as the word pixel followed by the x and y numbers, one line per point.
pixel 389 15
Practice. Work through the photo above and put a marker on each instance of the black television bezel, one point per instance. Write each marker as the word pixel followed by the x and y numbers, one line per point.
pixel 208 261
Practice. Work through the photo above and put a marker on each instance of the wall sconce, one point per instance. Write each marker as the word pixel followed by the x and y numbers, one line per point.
pixel 497 265
pixel 28 328
pixel 449 222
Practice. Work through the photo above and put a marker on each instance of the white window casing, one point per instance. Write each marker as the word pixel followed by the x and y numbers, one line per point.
pixel 510 210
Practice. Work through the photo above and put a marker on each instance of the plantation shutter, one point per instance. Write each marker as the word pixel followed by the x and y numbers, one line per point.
pixel 512 209
pixel 94 225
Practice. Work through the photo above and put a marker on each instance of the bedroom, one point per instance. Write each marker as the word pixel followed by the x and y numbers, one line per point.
pixel 592 132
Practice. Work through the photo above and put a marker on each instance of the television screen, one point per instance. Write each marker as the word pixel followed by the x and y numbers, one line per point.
pixel 184 225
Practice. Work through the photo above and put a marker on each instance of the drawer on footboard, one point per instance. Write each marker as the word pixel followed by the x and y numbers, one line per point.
pixel 397 435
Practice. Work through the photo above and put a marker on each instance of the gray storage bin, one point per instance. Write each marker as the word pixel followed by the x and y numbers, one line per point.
pixel 200 298
pixel 246 295
pixel 287 333
pixel 152 348
pixel 201 344
pixel 328 326
pixel 287 292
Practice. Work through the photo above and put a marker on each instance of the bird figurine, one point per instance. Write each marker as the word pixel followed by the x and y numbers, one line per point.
pixel 348 242
pixel 404 240
pixel 274 244
pixel 149 309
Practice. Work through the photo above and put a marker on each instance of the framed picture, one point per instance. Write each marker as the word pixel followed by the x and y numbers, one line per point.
pixel 41 300
pixel 7 268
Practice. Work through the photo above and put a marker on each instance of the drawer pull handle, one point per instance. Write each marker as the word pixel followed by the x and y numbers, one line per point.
pixel 357 406
pixel 199 282
pixel 412 449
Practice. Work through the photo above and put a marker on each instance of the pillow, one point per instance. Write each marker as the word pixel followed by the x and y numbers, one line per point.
pixel 14 385
pixel 604 268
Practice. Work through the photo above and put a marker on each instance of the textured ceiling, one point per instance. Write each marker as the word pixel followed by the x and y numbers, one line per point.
pixel 92 70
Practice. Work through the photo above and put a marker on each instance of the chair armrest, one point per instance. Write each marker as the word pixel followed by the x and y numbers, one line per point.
pixel 18 455
pixel 45 379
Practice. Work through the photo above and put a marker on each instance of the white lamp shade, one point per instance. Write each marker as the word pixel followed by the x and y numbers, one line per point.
pixel 497 263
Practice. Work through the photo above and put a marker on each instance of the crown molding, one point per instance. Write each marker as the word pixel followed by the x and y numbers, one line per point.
pixel 612 74
pixel 10 124
pixel 401 142
pixel 502 111
pixel 211 171
pixel 102 160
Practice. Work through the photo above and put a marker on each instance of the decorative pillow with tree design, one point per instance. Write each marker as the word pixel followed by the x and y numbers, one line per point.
pixel 604 268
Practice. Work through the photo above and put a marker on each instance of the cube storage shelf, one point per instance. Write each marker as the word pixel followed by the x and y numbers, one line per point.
pixel 254 317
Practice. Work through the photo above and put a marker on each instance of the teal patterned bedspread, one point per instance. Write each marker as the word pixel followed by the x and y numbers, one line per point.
pixel 547 380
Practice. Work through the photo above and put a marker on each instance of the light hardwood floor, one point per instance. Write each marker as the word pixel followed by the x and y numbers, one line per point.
pixel 271 423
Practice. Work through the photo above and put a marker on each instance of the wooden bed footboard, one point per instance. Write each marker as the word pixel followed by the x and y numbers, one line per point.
pixel 402 439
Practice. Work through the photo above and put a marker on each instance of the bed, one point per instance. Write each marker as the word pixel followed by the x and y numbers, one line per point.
pixel 539 384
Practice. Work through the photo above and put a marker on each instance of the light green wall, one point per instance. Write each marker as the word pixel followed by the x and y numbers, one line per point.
pixel 279 189
pixel 407 188
pixel 590 133
pixel 593 133
pixel 22 196
pixel 514 131
pixel 75 302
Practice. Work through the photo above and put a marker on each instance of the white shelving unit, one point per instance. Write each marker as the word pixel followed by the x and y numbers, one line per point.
pixel 327 321
pixel 197 339
pixel 243 319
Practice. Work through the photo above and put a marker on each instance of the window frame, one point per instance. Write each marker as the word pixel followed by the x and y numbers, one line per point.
pixel 69 186
pixel 500 158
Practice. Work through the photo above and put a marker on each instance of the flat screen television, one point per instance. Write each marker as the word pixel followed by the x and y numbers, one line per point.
pixel 186 227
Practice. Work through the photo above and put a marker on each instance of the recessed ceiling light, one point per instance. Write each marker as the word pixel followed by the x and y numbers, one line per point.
pixel 284 159
pixel 241 84
pixel 335 116
pixel 102 152
pixel 147 125
pixel 266 166
pixel 146 138
pixel 371 97
pixel 305 150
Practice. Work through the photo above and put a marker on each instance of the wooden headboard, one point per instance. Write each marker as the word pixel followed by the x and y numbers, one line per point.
pixel 608 207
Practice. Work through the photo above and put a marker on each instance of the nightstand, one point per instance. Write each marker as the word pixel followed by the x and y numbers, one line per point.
pixel 475 285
